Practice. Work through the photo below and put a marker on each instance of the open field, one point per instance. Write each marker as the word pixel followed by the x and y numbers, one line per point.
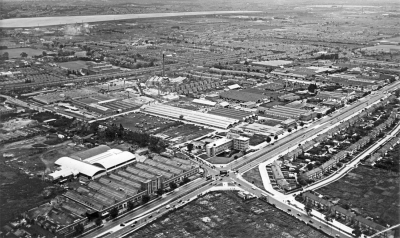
pixel 225 214
pixel 143 122
pixel 254 177
pixel 188 131
pixel 16 52
pixel 51 21
pixel 74 65
pixel 369 191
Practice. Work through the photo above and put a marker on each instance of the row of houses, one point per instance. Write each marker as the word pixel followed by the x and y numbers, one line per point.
pixel 382 151
pixel 317 173
pixel 346 215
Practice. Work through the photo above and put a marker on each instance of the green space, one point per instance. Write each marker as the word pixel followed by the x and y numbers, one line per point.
pixel 254 177
pixel 19 193
pixel 225 214
pixel 370 192
pixel 74 65
pixel 16 52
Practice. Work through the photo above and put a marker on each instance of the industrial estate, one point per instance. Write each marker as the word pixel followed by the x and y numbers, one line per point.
pixel 213 119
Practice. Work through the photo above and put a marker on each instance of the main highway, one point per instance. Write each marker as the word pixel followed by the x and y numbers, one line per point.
pixel 199 186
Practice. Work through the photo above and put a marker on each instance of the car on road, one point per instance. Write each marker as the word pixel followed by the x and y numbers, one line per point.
pixel 133 225
pixel 150 216
pixel 239 184
pixel 122 224
pixel 179 201
pixel 168 207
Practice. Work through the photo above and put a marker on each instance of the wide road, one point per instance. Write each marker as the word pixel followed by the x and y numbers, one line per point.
pixel 53 21
pixel 149 207
pixel 302 134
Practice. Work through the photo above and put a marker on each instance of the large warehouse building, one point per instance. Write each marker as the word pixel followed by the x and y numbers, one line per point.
pixel 191 116
pixel 92 163
pixel 283 112
pixel 234 114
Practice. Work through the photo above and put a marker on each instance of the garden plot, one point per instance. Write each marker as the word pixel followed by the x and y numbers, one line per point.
pixel 369 191
pixel 224 214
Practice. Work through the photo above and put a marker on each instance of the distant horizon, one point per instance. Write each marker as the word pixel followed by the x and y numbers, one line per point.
pixel 66 20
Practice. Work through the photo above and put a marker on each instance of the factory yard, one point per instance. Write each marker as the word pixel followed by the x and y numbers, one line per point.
pixel 225 214
pixel 370 192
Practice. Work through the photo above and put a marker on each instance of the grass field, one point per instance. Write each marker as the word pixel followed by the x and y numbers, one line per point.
pixel 254 176
pixel 371 191
pixel 16 52
pixel 74 65
pixel 225 214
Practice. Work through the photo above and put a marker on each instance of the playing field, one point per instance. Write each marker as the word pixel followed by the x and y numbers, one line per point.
pixel 74 65
pixel 16 52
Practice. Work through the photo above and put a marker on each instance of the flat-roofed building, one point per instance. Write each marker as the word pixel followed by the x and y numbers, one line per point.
pixel 219 146
pixel 261 129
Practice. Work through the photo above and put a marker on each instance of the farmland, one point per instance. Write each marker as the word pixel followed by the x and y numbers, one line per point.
pixel 224 214
pixel 369 191
pixel 16 52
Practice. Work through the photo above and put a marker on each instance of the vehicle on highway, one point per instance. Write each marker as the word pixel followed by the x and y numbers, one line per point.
pixel 252 187
pixel 122 224
pixel 133 225
pixel 179 201
pixel 208 177
pixel 167 207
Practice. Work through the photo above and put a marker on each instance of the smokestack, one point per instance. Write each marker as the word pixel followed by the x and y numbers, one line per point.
pixel 163 62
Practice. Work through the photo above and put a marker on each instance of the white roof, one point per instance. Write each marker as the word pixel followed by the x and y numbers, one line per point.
pixel 189 115
pixel 114 160
pixel 67 163
pixel 63 173
pixel 204 102
pixel 235 86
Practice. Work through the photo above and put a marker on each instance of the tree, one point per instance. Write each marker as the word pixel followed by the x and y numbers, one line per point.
pixel 173 185
pixel 312 88
pixel 276 137
pixel 98 222
pixel 145 199
pixel 190 147
pixel 186 180
pixel 114 213
pixel 268 139
pixel 160 192
pixel 308 208
pixel 301 123
pixel 310 166
pixel 357 231
pixel 24 55
pixel 79 229
pixel 44 53
pixel 130 205
pixel 319 116
pixel 181 117
pixel 339 164
pixel 289 130
pixel 5 56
